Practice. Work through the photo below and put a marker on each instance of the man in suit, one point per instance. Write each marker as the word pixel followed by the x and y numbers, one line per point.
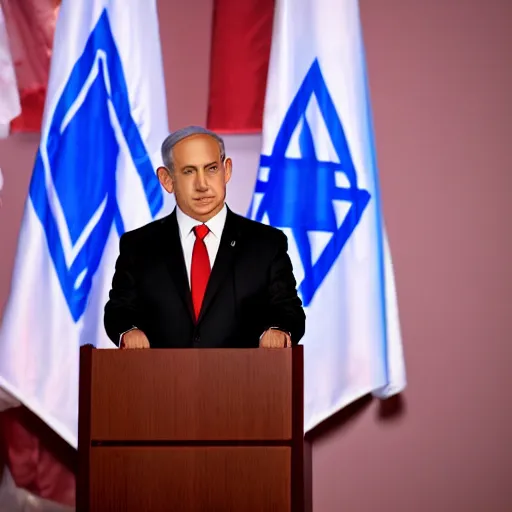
pixel 202 276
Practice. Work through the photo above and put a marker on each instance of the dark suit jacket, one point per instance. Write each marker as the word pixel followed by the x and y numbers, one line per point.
pixel 251 288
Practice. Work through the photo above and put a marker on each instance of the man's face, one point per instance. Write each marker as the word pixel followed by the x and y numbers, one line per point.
pixel 199 177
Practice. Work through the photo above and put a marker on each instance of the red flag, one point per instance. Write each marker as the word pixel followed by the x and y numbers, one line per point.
pixel 242 33
pixel 30 26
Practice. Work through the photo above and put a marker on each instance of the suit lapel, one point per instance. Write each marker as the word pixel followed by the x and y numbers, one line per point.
pixel 173 255
pixel 223 261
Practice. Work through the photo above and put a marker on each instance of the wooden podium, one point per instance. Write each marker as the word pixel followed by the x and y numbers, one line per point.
pixel 184 430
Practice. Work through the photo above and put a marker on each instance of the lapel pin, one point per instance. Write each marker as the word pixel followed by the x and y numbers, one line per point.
pixel 233 243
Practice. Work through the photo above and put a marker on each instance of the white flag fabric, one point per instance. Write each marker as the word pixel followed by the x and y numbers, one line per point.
pixel 93 179
pixel 318 182
pixel 9 95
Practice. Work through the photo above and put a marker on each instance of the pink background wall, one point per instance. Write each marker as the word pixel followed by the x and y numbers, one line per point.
pixel 441 85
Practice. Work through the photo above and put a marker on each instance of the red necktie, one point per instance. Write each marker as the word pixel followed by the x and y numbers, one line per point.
pixel 200 272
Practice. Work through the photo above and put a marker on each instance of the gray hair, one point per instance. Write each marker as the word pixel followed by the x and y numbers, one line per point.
pixel 175 137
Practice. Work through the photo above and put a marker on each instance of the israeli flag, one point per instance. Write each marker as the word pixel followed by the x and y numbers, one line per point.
pixel 318 182
pixel 93 179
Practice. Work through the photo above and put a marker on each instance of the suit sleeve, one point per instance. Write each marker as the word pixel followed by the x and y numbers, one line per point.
pixel 285 307
pixel 121 311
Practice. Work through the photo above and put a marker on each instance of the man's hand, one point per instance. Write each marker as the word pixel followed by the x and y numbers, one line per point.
pixel 134 339
pixel 273 338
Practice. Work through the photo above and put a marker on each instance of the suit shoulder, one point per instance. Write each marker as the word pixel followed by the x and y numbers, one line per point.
pixel 144 233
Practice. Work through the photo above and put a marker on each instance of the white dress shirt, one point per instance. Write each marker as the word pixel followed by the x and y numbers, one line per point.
pixel 186 227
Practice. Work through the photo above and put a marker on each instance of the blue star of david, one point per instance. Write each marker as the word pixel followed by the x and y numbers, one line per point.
pixel 80 154
pixel 299 193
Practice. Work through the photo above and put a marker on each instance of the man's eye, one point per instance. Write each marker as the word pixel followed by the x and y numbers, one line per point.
pixel 213 169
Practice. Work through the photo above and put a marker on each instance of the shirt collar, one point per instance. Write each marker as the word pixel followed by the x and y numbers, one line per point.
pixel 186 224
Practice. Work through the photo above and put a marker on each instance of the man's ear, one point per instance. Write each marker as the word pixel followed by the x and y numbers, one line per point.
pixel 165 178
pixel 228 168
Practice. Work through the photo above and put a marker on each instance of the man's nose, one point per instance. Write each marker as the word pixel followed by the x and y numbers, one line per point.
pixel 201 182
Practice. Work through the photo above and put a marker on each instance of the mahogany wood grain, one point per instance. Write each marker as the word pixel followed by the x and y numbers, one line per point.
pixel 191 430
pixel 190 479
pixel 191 394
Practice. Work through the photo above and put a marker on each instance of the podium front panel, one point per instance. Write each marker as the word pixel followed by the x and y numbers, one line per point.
pixel 191 394
pixel 190 479
pixel 191 430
